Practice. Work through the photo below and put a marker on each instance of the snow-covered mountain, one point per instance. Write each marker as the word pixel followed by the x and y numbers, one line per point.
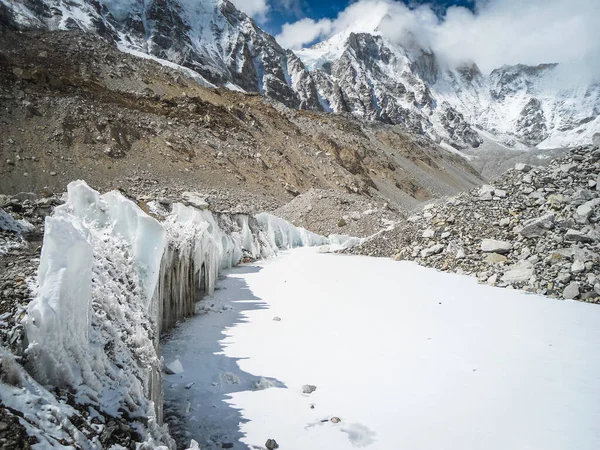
pixel 211 37
pixel 530 105
pixel 520 106
pixel 358 71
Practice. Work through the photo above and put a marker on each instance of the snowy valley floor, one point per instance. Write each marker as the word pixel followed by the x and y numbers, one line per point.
pixel 406 358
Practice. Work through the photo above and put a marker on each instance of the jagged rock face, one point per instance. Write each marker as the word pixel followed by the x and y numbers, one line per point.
pixel 522 106
pixel 531 124
pixel 525 105
pixel 374 80
pixel 210 37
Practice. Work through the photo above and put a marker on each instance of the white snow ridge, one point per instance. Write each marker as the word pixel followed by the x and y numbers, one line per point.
pixel 111 278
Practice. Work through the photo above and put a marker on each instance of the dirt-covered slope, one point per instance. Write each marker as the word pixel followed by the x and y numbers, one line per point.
pixel 74 107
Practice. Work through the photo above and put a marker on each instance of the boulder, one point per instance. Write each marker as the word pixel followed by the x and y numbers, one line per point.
pixel 433 250
pixel 581 196
pixel 577 236
pixel 568 168
pixel 486 192
pixel 494 246
pixel 429 233
pixel 584 212
pixel 522 167
pixel 174 368
pixel 571 291
pixel 536 227
pixel 520 272
pixel 495 258
pixel 194 199
pixel 24 196
pixel 578 266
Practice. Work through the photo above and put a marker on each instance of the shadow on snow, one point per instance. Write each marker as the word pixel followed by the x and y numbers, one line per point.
pixel 196 401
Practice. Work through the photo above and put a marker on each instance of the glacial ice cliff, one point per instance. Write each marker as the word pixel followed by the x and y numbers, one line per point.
pixel 111 279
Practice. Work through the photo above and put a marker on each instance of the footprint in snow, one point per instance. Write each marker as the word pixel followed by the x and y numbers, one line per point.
pixel 358 434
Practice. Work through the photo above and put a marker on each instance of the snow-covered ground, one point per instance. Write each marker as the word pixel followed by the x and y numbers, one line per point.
pixel 404 356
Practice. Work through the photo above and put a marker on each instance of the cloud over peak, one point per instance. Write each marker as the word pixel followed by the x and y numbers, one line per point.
pixel 498 32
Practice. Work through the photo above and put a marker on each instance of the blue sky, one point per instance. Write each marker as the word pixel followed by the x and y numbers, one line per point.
pixel 288 11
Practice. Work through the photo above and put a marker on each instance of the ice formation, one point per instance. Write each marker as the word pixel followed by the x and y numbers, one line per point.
pixel 112 278
pixel 16 228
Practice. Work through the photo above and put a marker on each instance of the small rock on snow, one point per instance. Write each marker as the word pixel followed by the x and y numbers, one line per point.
pixel 308 389
pixel 271 444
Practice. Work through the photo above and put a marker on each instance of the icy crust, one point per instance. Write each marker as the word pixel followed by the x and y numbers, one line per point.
pixel 111 279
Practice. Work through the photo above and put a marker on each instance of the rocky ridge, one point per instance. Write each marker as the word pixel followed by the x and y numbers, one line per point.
pixel 376 78
pixel 535 228
pixel 211 37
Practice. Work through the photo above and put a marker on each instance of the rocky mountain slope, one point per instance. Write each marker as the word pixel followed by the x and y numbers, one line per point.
pixel 359 72
pixel 75 107
pixel 211 37
pixel 535 228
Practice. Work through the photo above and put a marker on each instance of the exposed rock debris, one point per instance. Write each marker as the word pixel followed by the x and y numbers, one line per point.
pixel 333 212
pixel 535 228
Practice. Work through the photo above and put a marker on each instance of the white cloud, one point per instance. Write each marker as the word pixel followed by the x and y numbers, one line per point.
pixel 499 32
pixel 362 16
pixel 254 8
pixel 297 34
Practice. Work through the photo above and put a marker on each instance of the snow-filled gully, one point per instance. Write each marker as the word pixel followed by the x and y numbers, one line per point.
pixel 112 279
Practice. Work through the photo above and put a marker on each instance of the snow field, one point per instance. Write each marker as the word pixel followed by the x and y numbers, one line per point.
pixel 404 356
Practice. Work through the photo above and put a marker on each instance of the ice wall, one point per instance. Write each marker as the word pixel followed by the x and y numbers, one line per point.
pixel 282 234
pixel 112 279
pixel 201 245
pixel 89 328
